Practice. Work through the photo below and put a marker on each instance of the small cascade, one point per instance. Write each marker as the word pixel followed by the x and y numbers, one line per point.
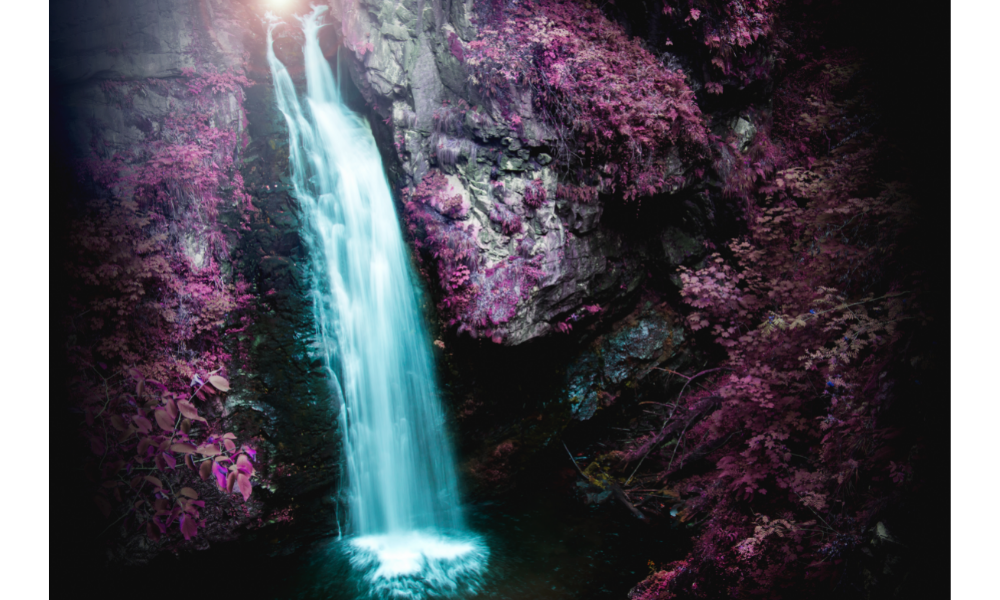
pixel 407 536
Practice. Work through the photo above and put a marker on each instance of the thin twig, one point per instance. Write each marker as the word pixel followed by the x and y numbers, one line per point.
pixel 615 488
pixel 584 475
pixel 115 522
pixel 689 379
pixel 672 411
pixel 677 445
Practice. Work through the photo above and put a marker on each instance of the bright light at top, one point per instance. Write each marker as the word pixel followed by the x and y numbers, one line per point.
pixel 278 4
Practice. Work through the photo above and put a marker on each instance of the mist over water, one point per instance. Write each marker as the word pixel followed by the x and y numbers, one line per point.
pixel 407 534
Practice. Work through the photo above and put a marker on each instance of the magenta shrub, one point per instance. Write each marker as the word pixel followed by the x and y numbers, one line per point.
pixel 534 194
pixel 478 299
pixel 621 107
pixel 151 311
pixel 736 32
pixel 769 450
pixel 507 219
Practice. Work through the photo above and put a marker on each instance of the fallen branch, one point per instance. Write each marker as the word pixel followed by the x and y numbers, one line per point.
pixel 669 428
pixel 615 488
pixel 689 380
pixel 624 499
pixel 579 470
pixel 697 454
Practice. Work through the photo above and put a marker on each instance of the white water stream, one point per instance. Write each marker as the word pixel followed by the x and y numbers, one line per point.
pixel 407 533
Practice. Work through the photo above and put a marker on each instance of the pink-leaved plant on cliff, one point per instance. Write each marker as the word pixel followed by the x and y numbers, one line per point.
pixel 738 34
pixel 621 113
pixel 152 306
pixel 784 453
pixel 144 441
pixel 479 299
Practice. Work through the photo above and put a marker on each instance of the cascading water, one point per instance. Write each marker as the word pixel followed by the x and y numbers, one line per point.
pixel 408 534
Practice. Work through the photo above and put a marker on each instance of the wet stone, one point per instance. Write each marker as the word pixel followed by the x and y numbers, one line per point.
pixel 510 163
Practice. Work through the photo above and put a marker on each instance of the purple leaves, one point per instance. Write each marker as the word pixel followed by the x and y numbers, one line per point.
pixel 169 460
pixel 220 383
pixel 142 423
pixel 145 297
pixel 243 465
pixel 156 501
pixel 534 194
pixel 220 475
pixel 243 481
pixel 183 448
pixel 209 450
pixel 507 219
pixel 188 527
pixel 188 410
pixel 205 469
pixel 455 46
pixel 602 87
pixel 164 420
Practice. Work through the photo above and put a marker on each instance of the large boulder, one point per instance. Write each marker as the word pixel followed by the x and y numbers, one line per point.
pixel 528 251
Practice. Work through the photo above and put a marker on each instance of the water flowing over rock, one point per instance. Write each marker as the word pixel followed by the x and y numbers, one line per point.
pixel 532 240
pixel 659 270
pixel 401 475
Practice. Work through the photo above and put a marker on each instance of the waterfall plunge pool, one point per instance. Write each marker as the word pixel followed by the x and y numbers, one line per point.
pixel 544 544
pixel 416 539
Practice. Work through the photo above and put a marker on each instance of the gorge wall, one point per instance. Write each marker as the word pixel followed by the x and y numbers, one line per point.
pixel 569 177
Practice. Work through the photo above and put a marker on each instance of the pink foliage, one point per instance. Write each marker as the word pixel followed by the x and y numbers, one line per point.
pixel 506 218
pixel 581 194
pixel 624 109
pixel 455 46
pixel 534 194
pixel 479 300
pixel 736 33
pixel 150 307
pixel 770 454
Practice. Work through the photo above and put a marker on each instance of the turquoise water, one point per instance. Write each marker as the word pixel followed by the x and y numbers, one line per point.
pixel 407 535
pixel 545 545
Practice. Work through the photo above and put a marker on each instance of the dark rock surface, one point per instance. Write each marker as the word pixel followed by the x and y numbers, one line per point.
pixel 650 338
pixel 119 69
pixel 422 90
pixel 118 73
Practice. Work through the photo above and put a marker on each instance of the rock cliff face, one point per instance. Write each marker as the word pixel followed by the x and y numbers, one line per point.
pixel 168 114
pixel 528 231
pixel 536 228
pixel 515 245
pixel 555 162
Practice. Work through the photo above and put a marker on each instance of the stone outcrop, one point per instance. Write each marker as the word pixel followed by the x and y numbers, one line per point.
pixel 414 77
pixel 539 255
pixel 131 79
pixel 649 338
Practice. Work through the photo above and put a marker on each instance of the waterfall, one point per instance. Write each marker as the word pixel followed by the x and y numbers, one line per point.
pixel 406 530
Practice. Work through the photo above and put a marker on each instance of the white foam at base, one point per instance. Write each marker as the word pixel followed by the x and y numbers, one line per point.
pixel 419 564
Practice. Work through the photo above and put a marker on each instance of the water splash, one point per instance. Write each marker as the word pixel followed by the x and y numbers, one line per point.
pixel 410 533
pixel 419 564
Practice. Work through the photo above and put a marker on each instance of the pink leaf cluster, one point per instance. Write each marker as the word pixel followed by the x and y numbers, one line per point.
pixel 477 299
pixel 812 310
pixel 152 306
pixel 624 111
